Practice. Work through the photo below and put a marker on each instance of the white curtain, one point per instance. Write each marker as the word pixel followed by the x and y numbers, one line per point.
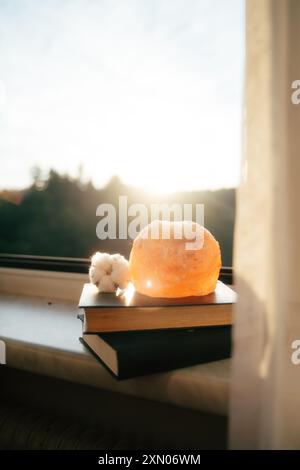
pixel 265 393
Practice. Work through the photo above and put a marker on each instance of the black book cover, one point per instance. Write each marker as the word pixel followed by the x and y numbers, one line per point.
pixel 140 353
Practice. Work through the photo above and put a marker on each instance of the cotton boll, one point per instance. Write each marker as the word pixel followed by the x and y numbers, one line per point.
pixel 96 274
pixel 108 272
pixel 121 276
pixel 102 261
pixel 106 284
pixel 116 258
pixel 120 271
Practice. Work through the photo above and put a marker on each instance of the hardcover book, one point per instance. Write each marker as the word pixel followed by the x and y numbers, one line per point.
pixel 133 311
pixel 132 354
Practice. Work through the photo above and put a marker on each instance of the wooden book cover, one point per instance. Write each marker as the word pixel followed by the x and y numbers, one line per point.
pixel 131 311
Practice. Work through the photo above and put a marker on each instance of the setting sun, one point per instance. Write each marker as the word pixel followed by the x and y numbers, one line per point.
pixel 148 91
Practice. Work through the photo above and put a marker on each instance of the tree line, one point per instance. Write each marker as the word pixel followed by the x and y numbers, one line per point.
pixel 57 216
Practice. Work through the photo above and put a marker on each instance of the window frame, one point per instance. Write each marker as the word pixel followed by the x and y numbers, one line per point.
pixel 45 263
pixel 71 265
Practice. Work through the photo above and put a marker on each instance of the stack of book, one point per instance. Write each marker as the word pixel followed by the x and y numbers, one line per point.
pixel 133 335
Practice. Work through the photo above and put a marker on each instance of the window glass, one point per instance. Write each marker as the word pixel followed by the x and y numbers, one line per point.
pixel 101 99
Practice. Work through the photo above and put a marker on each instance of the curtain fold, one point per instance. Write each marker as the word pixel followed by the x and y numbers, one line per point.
pixel 265 392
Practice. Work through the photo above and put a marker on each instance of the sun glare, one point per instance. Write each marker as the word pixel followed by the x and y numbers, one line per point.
pixel 128 293
pixel 149 91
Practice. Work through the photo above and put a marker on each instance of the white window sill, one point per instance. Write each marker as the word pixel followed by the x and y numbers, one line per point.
pixel 41 336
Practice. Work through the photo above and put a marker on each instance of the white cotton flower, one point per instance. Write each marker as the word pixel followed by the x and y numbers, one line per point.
pixel 108 272
pixel 102 260
pixel 120 275
pixel 96 274
pixel 106 284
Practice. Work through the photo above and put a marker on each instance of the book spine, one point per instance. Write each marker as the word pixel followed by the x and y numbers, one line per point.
pixel 96 323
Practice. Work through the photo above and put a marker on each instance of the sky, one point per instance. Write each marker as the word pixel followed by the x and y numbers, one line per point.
pixel 150 90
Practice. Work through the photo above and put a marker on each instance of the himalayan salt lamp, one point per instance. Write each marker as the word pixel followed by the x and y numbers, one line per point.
pixel 165 267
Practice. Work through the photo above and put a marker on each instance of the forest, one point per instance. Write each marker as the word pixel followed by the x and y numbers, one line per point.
pixel 56 216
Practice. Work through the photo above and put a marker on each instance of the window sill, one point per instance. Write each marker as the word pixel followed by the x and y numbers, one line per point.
pixel 41 336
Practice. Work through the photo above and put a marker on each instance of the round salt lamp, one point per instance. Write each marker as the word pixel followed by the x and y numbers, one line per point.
pixel 169 266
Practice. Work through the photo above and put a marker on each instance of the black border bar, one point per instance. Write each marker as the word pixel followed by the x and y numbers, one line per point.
pixel 151 458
